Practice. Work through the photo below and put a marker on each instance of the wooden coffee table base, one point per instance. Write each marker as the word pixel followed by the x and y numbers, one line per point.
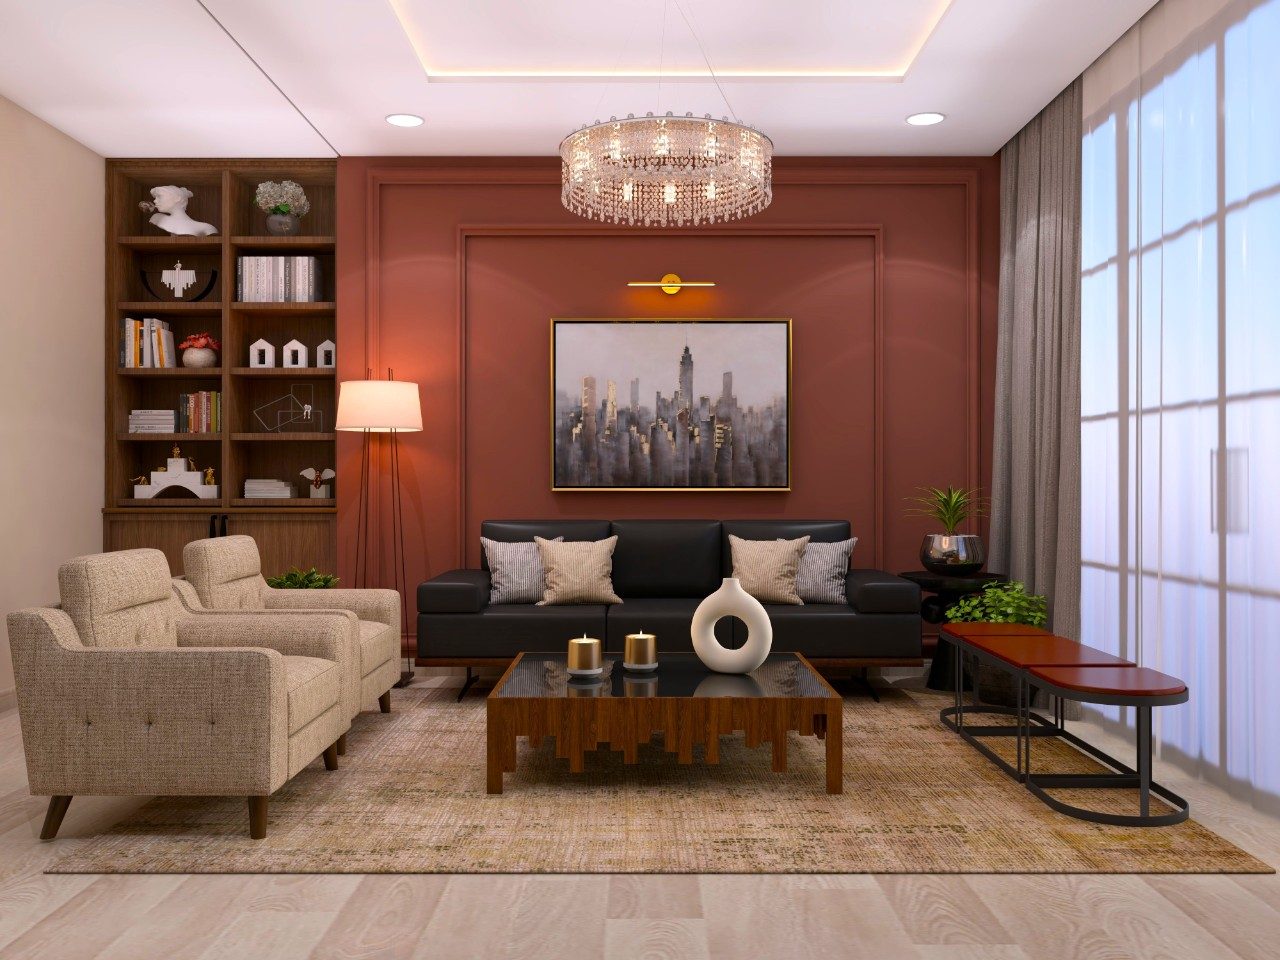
pixel 624 723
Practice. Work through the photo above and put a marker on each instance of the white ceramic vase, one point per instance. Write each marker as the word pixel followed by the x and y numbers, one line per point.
pixel 199 357
pixel 731 601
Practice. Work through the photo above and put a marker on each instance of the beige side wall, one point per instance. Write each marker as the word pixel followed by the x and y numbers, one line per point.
pixel 51 362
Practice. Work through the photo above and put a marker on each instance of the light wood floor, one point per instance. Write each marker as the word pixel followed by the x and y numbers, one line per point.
pixel 581 917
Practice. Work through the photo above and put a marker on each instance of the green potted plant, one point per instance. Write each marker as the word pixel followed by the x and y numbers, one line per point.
pixel 949 553
pixel 297 579
pixel 1001 602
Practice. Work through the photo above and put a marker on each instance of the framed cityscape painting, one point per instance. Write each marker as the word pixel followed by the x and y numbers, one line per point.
pixel 661 405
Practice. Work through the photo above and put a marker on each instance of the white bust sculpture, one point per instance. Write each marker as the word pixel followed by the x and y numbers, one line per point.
pixel 170 206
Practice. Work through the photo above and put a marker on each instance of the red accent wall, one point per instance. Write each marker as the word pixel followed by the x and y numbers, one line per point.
pixel 450 270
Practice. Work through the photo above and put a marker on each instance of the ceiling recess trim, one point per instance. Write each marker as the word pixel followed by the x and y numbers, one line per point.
pixel 837 74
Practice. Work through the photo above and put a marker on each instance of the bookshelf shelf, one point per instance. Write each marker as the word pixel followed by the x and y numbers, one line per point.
pixel 291 502
pixel 284 437
pixel 171 373
pixel 317 373
pixel 293 532
pixel 169 437
pixel 169 306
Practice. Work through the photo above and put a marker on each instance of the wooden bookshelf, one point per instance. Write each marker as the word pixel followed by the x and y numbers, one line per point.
pixel 298 531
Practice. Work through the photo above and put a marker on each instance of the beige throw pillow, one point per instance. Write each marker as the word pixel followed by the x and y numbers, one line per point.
pixel 577 571
pixel 767 568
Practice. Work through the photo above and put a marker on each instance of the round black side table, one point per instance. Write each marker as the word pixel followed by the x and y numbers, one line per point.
pixel 942 592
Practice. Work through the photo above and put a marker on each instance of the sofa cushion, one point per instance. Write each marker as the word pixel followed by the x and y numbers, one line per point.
pixel 516 571
pixel 821 531
pixel 226 572
pixel 518 531
pixel 120 599
pixel 767 568
pixel 874 591
pixel 577 572
pixel 506 630
pixel 823 569
pixel 836 631
pixel 666 558
pixel 667 618
pixel 313 688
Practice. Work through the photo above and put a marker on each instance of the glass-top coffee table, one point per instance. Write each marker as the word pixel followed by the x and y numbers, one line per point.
pixel 682 699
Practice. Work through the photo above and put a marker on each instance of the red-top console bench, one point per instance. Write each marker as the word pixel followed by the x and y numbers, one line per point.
pixel 1067 670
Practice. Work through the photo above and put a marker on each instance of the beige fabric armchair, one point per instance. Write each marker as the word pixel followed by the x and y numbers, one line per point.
pixel 225 574
pixel 122 691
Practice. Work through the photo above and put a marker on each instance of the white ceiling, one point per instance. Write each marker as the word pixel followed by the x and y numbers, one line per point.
pixel 145 78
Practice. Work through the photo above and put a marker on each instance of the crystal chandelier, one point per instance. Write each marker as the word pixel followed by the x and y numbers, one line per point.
pixel 666 171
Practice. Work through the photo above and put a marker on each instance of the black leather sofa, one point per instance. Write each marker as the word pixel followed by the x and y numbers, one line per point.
pixel 662 569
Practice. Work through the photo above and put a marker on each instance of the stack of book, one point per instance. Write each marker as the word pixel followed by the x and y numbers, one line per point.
pixel 146 343
pixel 152 421
pixel 200 412
pixel 277 279
pixel 268 490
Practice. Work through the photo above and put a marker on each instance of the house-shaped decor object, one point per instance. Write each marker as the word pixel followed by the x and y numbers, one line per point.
pixel 295 354
pixel 262 354
pixel 327 354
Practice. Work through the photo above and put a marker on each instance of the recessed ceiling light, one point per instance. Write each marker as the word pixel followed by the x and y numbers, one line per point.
pixel 404 120
pixel 916 119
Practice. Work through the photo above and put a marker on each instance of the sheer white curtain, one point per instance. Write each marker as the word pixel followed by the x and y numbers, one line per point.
pixel 1180 373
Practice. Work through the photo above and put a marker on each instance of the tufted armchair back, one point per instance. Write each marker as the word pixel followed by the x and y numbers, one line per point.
pixel 121 600
pixel 226 573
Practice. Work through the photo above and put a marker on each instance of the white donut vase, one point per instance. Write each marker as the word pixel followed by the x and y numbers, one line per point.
pixel 731 601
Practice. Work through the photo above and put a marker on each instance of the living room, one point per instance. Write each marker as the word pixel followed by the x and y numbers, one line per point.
pixel 668 478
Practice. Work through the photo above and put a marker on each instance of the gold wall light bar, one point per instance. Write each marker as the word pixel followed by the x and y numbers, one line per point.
pixel 671 283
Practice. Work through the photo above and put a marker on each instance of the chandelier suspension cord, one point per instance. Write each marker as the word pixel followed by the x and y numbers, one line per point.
pixel 662 52
pixel 707 60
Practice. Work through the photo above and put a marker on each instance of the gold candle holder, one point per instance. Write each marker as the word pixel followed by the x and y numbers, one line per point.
pixel 640 652
pixel 584 658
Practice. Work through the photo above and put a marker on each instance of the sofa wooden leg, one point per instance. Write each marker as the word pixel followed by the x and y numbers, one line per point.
pixel 331 756
pixel 53 817
pixel 384 702
pixel 342 745
pixel 257 818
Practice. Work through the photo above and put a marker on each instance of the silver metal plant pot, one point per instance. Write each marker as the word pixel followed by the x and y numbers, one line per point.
pixel 959 555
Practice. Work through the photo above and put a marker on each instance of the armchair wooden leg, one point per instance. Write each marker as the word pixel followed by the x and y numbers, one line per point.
pixel 331 756
pixel 53 817
pixel 342 745
pixel 384 702
pixel 257 818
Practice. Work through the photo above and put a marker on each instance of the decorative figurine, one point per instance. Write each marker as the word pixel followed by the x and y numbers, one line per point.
pixel 142 478
pixel 306 411
pixel 175 475
pixel 191 463
pixel 176 453
pixel 178 279
pixel 318 489
pixel 168 209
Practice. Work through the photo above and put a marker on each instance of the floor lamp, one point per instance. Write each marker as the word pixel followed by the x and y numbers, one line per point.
pixel 381 410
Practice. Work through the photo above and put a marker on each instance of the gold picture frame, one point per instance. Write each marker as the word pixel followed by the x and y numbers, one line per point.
pixel 702 429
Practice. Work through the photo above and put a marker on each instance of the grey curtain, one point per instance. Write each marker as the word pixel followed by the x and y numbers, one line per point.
pixel 1035 486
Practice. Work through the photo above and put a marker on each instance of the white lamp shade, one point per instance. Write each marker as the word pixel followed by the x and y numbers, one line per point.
pixel 379 406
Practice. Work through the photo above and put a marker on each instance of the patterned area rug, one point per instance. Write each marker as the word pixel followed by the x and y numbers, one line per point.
pixel 409 798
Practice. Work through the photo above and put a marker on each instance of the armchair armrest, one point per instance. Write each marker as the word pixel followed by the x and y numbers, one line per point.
pixel 324 635
pixel 874 591
pixel 379 606
pixel 140 721
pixel 457 591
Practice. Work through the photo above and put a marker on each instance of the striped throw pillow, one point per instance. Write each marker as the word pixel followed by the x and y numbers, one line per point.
pixel 515 571
pixel 767 568
pixel 823 568
pixel 578 571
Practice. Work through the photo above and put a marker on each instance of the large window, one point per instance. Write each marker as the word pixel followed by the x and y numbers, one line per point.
pixel 1180 377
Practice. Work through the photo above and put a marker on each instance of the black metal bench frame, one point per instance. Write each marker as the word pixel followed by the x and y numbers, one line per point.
pixel 1028 725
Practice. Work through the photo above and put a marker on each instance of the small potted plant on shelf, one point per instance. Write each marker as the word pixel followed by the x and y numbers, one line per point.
pixel 200 350
pixel 297 579
pixel 949 553
pixel 283 203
